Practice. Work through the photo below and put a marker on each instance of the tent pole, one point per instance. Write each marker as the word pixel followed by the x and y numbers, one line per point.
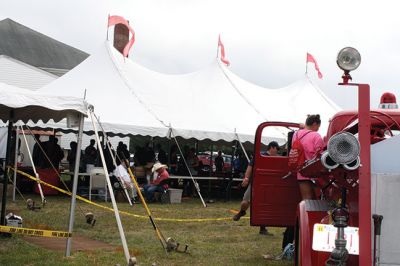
pixel 306 64
pixel 196 185
pixel 241 145
pixel 34 168
pixel 74 186
pixel 110 188
pixel 15 164
pixel 8 160
pixel 211 171
pixel 109 147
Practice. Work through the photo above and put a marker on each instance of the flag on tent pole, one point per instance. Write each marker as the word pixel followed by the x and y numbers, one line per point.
pixel 310 59
pixel 222 49
pixel 113 20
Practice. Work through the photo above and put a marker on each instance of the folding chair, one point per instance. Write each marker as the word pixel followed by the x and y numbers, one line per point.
pixel 97 182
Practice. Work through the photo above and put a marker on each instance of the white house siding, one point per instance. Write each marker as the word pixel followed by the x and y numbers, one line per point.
pixel 17 73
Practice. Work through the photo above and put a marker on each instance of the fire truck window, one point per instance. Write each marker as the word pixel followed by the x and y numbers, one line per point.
pixel 278 134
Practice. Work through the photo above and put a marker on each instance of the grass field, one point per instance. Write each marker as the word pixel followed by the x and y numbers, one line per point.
pixel 210 243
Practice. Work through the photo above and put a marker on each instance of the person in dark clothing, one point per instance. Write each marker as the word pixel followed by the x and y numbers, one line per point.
pixel 72 155
pixel 37 153
pixel 90 155
pixel 139 158
pixel 109 158
pixel 53 152
pixel 149 154
pixel 122 151
pixel 173 159
pixel 219 162
pixel 161 155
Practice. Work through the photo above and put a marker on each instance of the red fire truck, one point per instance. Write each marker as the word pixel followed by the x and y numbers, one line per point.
pixel 357 182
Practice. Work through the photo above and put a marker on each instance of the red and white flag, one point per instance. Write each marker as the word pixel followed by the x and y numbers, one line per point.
pixel 222 51
pixel 113 20
pixel 310 59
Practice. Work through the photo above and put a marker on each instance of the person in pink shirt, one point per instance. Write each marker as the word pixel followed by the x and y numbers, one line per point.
pixel 312 143
pixel 156 185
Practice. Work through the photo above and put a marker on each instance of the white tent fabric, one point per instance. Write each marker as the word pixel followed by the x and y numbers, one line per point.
pixel 98 79
pixel 211 103
pixel 29 105
pixel 290 104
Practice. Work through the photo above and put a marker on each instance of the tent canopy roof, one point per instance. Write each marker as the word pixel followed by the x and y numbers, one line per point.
pixel 212 103
pixel 28 105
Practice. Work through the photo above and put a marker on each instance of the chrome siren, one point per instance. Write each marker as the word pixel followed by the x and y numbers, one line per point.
pixel 353 165
pixel 343 148
pixel 327 161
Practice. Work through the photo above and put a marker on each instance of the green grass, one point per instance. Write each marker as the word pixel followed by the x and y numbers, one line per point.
pixel 210 243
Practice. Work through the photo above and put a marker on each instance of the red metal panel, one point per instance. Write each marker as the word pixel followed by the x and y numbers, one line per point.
pixel 273 200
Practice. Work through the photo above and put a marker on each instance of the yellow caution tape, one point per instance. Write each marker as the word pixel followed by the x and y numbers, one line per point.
pixel 124 212
pixel 33 232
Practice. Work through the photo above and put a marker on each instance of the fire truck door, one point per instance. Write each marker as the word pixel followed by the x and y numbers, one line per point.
pixel 273 199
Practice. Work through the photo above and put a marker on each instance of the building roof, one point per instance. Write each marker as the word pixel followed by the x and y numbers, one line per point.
pixel 36 49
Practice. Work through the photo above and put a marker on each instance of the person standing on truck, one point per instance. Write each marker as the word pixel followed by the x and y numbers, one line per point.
pixel 312 143
pixel 272 150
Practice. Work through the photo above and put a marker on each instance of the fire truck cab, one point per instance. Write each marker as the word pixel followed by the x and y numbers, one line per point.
pixel 276 201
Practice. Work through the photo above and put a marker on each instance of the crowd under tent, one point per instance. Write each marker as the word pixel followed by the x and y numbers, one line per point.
pixel 212 103
pixel 21 105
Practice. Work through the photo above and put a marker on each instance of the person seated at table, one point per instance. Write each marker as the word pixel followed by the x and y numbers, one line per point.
pixel 157 184
pixel 122 174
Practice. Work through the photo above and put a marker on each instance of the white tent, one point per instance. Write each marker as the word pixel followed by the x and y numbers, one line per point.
pixel 211 103
pixel 29 105
pixel 18 104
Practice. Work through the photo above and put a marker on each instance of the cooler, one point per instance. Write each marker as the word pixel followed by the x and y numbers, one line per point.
pixel 49 176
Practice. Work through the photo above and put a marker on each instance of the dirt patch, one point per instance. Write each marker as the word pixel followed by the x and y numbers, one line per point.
pixel 79 243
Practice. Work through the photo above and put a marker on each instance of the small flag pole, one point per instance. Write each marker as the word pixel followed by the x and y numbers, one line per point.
pixel 306 62
pixel 218 45
pixel 108 21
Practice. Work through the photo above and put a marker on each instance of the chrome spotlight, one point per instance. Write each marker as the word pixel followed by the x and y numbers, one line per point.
pixel 348 59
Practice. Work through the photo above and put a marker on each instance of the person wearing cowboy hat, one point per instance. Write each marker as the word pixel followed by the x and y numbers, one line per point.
pixel 156 185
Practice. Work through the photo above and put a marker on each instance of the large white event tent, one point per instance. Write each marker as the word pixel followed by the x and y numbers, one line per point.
pixel 212 103
pixel 22 105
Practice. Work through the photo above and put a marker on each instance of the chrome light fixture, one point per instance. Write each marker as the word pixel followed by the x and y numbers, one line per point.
pixel 348 59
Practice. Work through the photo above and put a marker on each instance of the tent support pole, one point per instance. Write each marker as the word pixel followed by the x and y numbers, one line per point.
pixel 109 147
pixel 8 160
pixel 34 168
pixel 169 147
pixel 110 188
pixel 15 165
pixel 241 145
pixel 196 185
pixel 74 187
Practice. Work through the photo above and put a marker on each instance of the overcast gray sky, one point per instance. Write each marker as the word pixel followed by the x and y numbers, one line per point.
pixel 266 41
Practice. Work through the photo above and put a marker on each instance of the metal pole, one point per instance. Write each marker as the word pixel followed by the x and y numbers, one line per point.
pixel 241 145
pixel 34 168
pixel 15 165
pixel 74 187
pixel 306 62
pixel 108 145
pixel 8 159
pixel 116 212
pixel 364 198
pixel 196 185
